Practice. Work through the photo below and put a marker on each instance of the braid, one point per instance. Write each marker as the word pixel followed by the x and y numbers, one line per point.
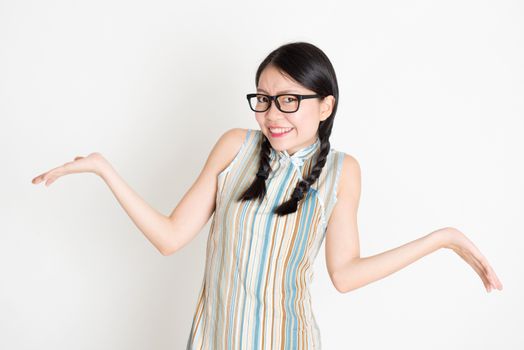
pixel 257 189
pixel 302 187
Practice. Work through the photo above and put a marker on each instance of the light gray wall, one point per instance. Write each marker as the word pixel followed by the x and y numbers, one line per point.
pixel 430 105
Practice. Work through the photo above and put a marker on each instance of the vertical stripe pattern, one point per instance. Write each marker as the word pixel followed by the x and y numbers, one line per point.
pixel 255 290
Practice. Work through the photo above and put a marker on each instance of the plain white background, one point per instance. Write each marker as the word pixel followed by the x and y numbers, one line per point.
pixel 431 105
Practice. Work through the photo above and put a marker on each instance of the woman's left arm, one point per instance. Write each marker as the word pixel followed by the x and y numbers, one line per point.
pixel 349 271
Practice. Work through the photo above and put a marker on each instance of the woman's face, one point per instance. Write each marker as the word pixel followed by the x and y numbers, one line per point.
pixel 304 122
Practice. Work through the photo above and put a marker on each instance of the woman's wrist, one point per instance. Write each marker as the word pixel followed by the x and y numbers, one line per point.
pixel 102 166
pixel 443 236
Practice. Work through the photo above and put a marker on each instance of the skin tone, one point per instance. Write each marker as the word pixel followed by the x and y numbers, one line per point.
pixel 347 269
pixel 304 122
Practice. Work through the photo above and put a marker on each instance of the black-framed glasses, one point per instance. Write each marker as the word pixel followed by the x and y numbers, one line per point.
pixel 287 103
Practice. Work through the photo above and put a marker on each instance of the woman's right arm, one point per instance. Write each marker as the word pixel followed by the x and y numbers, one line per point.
pixel 167 234
pixel 153 224
pixel 198 204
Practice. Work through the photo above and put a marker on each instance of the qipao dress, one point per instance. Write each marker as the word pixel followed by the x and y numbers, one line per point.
pixel 255 290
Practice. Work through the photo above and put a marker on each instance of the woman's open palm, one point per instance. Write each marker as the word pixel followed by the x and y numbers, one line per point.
pixel 91 163
pixel 465 248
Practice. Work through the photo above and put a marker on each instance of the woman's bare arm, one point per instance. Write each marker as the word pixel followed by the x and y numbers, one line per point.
pixel 349 271
pixel 198 204
pixel 358 272
pixel 166 233
pixel 156 227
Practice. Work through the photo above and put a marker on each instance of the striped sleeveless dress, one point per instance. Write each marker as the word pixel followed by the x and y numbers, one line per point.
pixel 255 290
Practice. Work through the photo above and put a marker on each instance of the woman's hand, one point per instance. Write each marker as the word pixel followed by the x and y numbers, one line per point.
pixel 460 244
pixel 93 163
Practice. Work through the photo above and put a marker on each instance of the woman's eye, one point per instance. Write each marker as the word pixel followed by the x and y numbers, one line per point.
pixel 289 99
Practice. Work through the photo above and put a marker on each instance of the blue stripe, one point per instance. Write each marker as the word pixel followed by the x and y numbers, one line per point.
pixel 267 234
pixel 292 322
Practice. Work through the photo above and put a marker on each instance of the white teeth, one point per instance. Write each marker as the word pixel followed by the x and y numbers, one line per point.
pixel 279 130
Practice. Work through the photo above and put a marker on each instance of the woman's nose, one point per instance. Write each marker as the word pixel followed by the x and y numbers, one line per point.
pixel 273 111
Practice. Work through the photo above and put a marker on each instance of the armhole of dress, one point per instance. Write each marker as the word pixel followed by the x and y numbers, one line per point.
pixel 244 143
pixel 339 159
pixel 340 162
pixel 329 204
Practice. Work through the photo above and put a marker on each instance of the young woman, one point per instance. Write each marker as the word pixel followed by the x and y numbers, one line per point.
pixel 275 194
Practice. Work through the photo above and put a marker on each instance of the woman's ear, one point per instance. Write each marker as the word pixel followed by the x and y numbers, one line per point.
pixel 326 107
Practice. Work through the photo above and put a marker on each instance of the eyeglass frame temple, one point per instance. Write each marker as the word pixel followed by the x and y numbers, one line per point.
pixel 275 98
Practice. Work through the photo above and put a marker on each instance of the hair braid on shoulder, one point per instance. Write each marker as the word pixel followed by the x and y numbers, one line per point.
pixel 302 187
pixel 257 189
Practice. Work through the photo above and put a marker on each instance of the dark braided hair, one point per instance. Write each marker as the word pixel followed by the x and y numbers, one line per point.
pixel 310 67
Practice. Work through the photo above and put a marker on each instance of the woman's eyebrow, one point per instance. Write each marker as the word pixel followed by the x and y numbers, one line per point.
pixel 289 91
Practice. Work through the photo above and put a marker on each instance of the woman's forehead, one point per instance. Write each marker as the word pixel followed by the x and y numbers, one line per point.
pixel 271 73
pixel 273 80
pixel 278 92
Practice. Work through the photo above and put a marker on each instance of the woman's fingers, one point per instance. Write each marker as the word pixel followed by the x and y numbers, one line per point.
pixel 486 267
pixel 463 246
pixel 481 270
pixel 474 265
pixel 43 176
pixel 487 270
pixel 50 176
pixel 496 282
pixel 37 179
pixel 481 265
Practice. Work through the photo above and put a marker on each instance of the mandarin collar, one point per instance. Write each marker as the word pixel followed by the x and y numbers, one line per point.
pixel 299 156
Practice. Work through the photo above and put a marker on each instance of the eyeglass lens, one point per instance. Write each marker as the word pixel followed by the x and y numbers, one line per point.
pixel 288 103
